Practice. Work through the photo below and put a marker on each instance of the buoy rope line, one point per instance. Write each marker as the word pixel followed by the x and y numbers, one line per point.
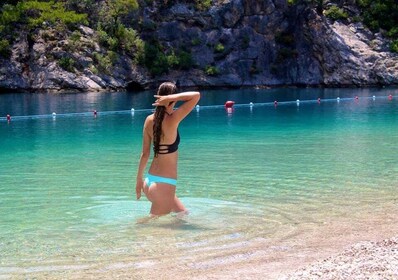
pixel 228 105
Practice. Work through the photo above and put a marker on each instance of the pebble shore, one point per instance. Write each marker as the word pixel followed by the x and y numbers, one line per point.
pixel 365 260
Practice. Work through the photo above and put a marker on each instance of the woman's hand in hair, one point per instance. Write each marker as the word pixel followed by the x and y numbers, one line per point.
pixel 161 100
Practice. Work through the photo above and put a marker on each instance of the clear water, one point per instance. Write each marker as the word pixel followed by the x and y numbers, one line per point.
pixel 256 174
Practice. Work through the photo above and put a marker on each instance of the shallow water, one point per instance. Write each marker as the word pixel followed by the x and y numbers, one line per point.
pixel 257 174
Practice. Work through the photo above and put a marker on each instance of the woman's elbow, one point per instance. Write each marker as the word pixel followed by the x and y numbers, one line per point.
pixel 197 95
pixel 145 155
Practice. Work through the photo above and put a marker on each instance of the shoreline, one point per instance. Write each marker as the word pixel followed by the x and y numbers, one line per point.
pixel 198 87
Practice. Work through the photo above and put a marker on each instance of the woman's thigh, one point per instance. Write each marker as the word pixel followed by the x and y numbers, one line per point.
pixel 162 197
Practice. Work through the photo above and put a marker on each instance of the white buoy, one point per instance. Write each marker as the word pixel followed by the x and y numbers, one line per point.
pixel 197 108
pixel 338 99
pixel 251 104
pixel 298 102
pixel 374 97
pixel 54 115
pixel 132 111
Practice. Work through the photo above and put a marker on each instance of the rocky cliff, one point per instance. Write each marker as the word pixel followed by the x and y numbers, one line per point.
pixel 235 43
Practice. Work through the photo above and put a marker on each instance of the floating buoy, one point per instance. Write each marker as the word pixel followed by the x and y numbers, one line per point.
pixel 95 113
pixel 132 111
pixel 54 114
pixel 390 97
pixel 374 97
pixel 319 100
pixel 356 97
pixel 298 102
pixel 8 118
pixel 276 103
pixel 197 108
pixel 251 104
pixel 338 99
pixel 229 104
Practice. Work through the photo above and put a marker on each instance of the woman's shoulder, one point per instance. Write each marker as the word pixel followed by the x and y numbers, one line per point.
pixel 149 120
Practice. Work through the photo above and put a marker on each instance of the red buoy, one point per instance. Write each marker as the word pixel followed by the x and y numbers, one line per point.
pixel 8 118
pixel 229 104
pixel 390 97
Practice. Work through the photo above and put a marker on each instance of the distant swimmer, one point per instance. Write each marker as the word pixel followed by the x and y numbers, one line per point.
pixel 161 129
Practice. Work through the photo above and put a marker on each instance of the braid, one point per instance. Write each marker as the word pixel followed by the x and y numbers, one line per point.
pixel 164 89
pixel 157 128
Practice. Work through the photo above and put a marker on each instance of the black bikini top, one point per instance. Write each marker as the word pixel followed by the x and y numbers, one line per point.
pixel 168 149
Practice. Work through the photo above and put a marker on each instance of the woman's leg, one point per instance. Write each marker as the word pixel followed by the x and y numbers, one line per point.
pixel 178 206
pixel 162 197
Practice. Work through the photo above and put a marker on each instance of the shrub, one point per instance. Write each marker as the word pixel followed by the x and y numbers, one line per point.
pixel 185 60
pixel 104 63
pixel 195 42
pixel 75 36
pixel 5 49
pixel 219 48
pixel 393 32
pixel 394 46
pixel 212 70
pixel 336 13
pixel 67 64
pixel 203 5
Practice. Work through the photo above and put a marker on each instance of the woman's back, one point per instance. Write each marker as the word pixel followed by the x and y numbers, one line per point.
pixel 165 164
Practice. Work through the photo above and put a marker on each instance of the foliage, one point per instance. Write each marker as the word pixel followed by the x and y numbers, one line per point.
pixel 195 42
pixel 112 11
pixel 33 13
pixel 219 48
pixel 5 49
pixel 203 5
pixel 380 14
pixel 394 46
pixel 212 70
pixel 67 64
pixel 103 62
pixel 336 13
pixel 159 60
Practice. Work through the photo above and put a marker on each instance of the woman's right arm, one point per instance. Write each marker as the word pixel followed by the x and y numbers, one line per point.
pixel 190 99
pixel 146 151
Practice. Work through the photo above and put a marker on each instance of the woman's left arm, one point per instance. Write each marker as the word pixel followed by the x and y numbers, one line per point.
pixel 146 151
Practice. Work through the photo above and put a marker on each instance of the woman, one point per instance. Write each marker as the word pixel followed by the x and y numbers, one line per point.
pixel 161 128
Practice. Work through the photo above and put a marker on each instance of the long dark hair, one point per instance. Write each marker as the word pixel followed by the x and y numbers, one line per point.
pixel 164 89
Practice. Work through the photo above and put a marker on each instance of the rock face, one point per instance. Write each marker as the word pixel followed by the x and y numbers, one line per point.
pixel 245 42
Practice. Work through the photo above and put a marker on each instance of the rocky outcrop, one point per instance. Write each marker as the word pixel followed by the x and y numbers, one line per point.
pixel 244 42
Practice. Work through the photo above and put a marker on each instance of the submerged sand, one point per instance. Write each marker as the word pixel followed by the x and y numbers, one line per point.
pixel 344 248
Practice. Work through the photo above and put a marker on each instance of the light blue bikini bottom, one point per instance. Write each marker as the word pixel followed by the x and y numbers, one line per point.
pixel 150 179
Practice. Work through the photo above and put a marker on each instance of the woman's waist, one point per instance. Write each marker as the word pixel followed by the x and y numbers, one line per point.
pixel 163 171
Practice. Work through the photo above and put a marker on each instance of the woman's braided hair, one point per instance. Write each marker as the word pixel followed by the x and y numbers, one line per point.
pixel 164 89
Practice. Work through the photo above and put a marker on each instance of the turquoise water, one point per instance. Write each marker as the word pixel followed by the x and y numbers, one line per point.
pixel 256 173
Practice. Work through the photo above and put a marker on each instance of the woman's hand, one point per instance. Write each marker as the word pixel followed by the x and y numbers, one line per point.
pixel 161 100
pixel 139 187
